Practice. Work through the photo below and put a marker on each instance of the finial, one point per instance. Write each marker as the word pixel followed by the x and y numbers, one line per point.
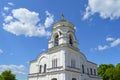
pixel 62 16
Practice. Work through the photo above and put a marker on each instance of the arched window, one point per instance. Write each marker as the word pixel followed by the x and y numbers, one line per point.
pixel 40 70
pixel 56 40
pixel 44 67
pixel 74 79
pixel 83 69
pixel 54 79
pixel 70 40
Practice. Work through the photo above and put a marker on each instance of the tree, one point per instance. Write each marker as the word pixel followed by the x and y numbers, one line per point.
pixel 118 67
pixel 7 75
pixel 1 78
pixel 101 71
pixel 109 71
pixel 118 71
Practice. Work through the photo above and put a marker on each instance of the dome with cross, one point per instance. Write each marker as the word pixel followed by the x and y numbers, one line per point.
pixel 63 23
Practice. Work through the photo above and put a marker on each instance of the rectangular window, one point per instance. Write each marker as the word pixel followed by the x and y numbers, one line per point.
pixel 94 71
pixel 83 69
pixel 73 63
pixel 44 67
pixel 91 71
pixel 54 63
pixel 87 71
pixel 40 69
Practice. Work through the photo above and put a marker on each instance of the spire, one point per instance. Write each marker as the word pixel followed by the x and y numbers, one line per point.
pixel 62 16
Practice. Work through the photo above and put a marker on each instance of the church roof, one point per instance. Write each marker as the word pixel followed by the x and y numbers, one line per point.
pixel 63 22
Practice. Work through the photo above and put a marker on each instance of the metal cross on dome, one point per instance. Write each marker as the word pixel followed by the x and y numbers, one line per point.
pixel 62 16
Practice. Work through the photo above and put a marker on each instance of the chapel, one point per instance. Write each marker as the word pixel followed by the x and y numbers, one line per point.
pixel 63 59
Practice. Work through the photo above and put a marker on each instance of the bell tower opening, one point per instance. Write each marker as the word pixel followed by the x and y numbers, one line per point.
pixel 70 40
pixel 54 79
pixel 74 79
pixel 56 40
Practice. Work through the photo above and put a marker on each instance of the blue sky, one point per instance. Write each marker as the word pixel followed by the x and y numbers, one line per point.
pixel 25 28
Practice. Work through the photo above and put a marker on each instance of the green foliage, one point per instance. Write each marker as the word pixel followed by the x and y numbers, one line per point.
pixel 118 71
pixel 109 71
pixel 1 78
pixel 101 70
pixel 7 75
pixel 118 67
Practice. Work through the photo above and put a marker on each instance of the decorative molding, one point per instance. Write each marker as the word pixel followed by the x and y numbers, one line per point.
pixel 73 68
pixel 44 74
pixel 72 71
pixel 93 76
pixel 59 67
pixel 59 47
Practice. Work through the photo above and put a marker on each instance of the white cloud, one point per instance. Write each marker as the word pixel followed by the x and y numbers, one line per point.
pixel 10 3
pixel 16 69
pixel 1 51
pixel 43 50
pixel 115 42
pixel 8 19
pixel 110 39
pixel 49 20
pixel 6 8
pixel 25 22
pixel 100 48
pixel 25 16
pixel 112 43
pixel 87 13
pixel 75 27
pixel 105 9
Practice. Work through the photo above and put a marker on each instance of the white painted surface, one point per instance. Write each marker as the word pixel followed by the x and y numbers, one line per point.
pixel 64 53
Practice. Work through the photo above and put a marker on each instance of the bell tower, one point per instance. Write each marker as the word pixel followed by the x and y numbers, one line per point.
pixel 63 33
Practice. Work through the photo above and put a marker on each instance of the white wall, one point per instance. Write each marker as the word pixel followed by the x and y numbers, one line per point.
pixel 33 67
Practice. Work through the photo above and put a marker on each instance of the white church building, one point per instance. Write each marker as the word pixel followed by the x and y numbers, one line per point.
pixel 63 60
